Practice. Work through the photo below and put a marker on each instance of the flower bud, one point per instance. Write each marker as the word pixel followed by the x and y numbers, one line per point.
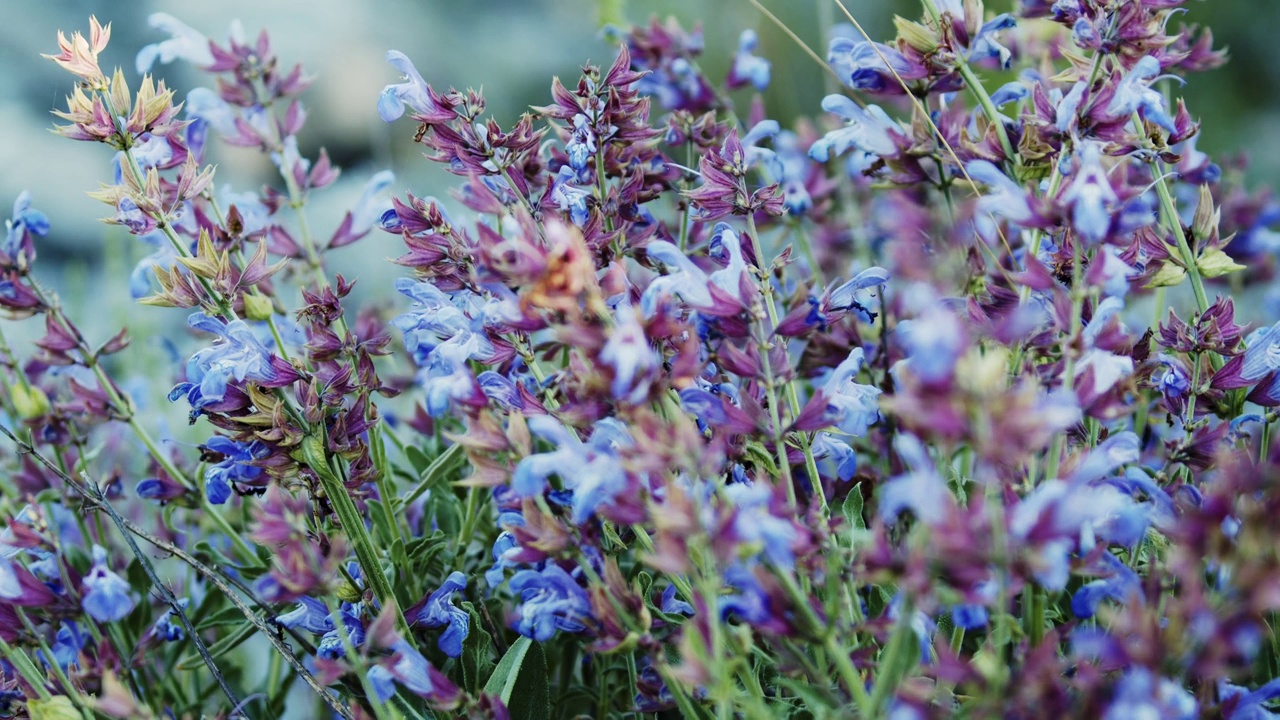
pixel 29 401
pixel 1215 263
pixel 257 306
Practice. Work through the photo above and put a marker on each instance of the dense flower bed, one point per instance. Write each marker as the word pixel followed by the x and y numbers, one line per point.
pixel 645 452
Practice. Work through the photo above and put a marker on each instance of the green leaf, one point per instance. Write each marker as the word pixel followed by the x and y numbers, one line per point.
pixel 1169 275
pixel 520 681
pixel 435 471
pixel 761 458
pixel 476 664
pixel 1215 263
pixel 851 508
pixel 417 459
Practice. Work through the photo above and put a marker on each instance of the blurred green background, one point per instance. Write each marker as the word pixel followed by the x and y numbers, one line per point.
pixel 511 48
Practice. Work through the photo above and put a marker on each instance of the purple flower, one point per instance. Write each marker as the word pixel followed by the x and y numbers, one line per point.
pixel 439 610
pixel 866 129
pixel 591 470
pixel 107 597
pixel 551 600
pixel 235 467
pixel 503 546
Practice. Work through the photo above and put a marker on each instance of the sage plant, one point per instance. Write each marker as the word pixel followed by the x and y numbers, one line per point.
pixel 932 404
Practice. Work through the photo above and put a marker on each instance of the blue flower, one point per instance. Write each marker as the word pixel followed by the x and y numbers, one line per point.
pixel 753 523
pixel 206 109
pixel 581 147
pixel 67 645
pixel 851 407
pixel 107 596
pixel 1249 705
pixel 1262 353
pixel 1090 196
pixel 186 43
pixel 372 203
pixel 751 602
pixel 591 470
pixel 921 490
pixel 551 600
pixel 1133 93
pixel 166 629
pixel 434 317
pixel 969 617
pixel 412 93
pixel 673 605
pixel 24 221
pixel 856 293
pixel 331 646
pixel 409 669
pixel 1004 198
pixel 933 342
pixel 790 166
pixel 1120 586
pixel 629 355
pixel 748 67
pixel 826 445
pixel 439 610
pixel 984 44
pixel 233 468
pixel 864 65
pixel 240 356
pixel 569 197
pixel 1139 694
pixel 689 281
pixel 164 257
pixel 310 615
pixel 504 545
pixel 866 129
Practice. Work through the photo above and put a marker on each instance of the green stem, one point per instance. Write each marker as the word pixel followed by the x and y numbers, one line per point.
pixel 25 668
pixel 353 525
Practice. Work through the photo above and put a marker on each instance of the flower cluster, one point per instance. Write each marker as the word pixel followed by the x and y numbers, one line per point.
pixel 645 450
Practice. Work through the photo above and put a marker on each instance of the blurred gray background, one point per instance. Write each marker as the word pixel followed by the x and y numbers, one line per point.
pixel 511 48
